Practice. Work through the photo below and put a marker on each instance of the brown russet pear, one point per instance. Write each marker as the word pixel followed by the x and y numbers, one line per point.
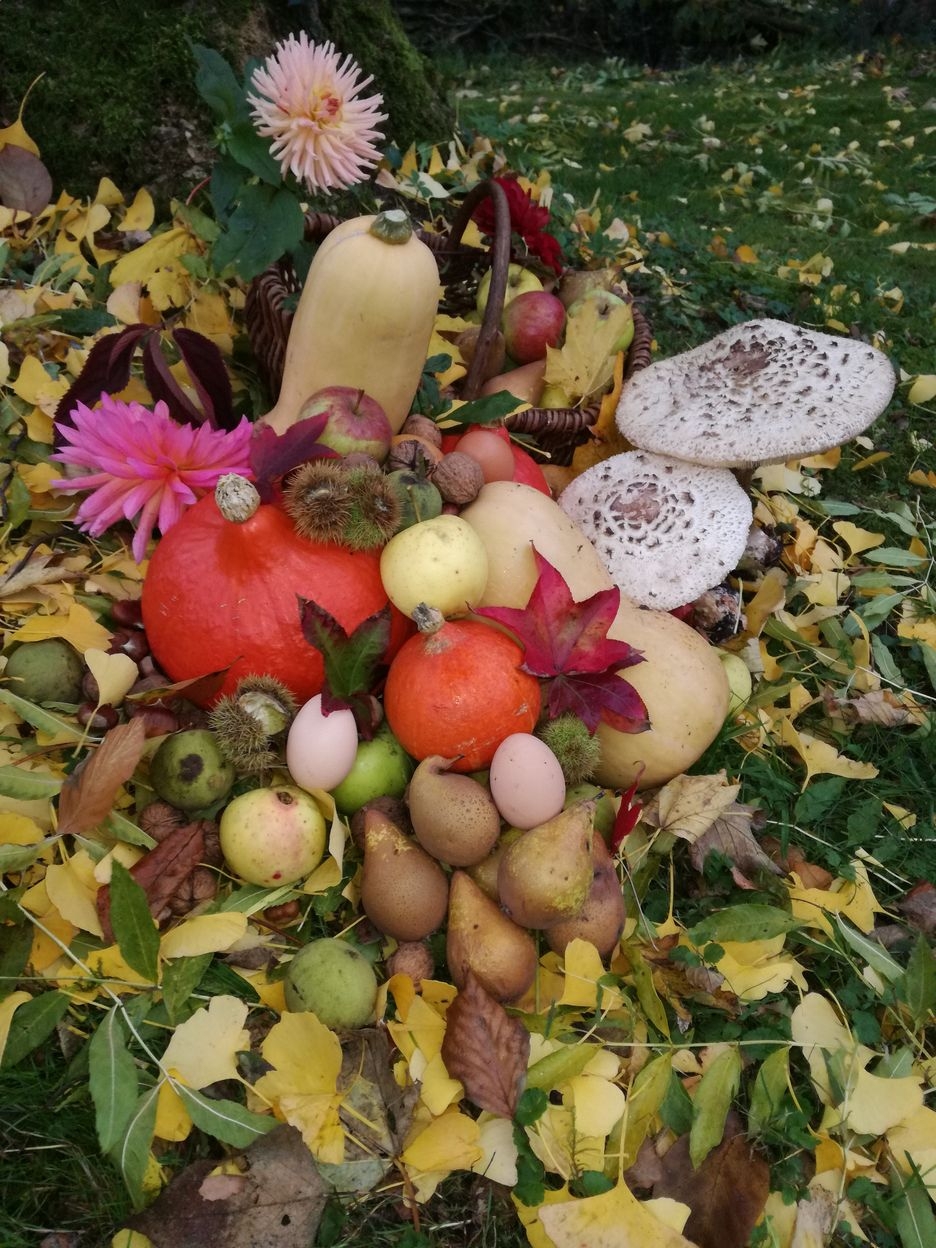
pixel 404 892
pixel 484 873
pixel 454 817
pixel 601 919
pixel 546 874
pixel 481 939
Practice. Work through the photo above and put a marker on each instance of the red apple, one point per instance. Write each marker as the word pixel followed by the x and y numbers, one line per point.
pixel 532 322
pixel 356 423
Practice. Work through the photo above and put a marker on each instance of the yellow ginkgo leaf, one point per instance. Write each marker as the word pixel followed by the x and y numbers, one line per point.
pixel 143 262
pixel 923 388
pixel 583 968
pixel 615 1219
pixel 597 1105
pixel 16 133
pixel 822 758
pixel 115 674
pixel 450 1142
pixel 73 891
pixel 913 1144
pixel 173 1121
pixel 856 539
pixel 584 365
pixel 877 1104
pixel 204 1048
pixel 306 1057
pixel 79 627
pixel 205 933
pixel 8 1007
pixel 141 213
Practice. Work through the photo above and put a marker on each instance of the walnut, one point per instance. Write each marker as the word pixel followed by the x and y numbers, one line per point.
pixel 458 477
pixel 423 427
pixel 411 958
pixel 416 454
pixel 159 819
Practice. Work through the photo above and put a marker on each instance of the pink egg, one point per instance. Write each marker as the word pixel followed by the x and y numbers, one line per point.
pixel 526 781
pixel 320 748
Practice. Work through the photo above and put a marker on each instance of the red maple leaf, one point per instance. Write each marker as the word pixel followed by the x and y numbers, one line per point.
pixel 567 643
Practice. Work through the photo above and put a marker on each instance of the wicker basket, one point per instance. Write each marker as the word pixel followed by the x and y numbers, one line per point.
pixel 554 433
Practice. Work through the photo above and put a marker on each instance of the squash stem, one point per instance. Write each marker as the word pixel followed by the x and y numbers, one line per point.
pixel 392 226
pixel 237 498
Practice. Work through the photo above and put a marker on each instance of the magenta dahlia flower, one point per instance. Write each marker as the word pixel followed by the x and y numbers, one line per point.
pixel 308 102
pixel 142 466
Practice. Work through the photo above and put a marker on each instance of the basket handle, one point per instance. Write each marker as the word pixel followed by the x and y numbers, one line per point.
pixel 500 261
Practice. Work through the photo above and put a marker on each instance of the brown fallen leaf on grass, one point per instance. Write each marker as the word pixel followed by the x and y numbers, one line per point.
pixel 276 1200
pixel 88 795
pixel 162 870
pixel 486 1049
pixel 919 906
pixel 726 1193
pixel 792 859
pixel 732 835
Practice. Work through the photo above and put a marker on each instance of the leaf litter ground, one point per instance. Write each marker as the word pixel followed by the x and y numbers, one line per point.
pixel 754 1064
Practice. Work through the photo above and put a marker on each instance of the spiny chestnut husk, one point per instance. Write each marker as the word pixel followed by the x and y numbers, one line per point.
pixel 250 720
pixel 577 750
pixel 351 506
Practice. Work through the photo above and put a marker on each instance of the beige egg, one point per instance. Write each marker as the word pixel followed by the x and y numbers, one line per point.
pixel 320 748
pixel 526 781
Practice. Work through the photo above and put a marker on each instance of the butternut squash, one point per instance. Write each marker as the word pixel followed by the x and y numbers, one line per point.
pixel 364 318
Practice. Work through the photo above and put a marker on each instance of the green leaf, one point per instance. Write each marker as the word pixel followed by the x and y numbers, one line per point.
pixel 351 662
pixel 27 786
pixel 266 223
pixel 884 661
pixel 486 411
pixel 560 1065
pixel 131 1153
pixel 770 1086
pixel 873 953
pixel 253 152
pixel 716 1090
pixel 180 978
pixel 929 662
pixel 83 322
pixel 126 830
pixel 33 1022
pixel 894 557
pixel 112 1078
pixel 917 988
pixel 647 994
pixel 878 609
pixel 744 923
pixel 19 857
pixel 40 718
pixel 218 86
pixel 225 1120
pixel 14 955
pixel 646 1096
pixel 531 1106
pixel 676 1106
pixel 913 1213
pixel 134 929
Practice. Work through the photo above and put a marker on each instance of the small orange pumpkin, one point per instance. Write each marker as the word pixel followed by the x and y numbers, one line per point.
pixel 456 689
pixel 222 589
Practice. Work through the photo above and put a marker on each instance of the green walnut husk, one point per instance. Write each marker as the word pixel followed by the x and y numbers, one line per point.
pixel 45 671
pixel 190 771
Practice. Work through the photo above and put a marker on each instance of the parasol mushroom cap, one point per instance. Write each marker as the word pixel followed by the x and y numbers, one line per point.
pixel 666 530
pixel 762 392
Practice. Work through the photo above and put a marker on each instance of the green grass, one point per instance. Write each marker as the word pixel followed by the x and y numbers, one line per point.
pixel 791 161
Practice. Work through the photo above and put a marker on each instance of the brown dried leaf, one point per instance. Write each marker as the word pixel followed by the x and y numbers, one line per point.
pixel 919 906
pixel 89 793
pixel 278 1204
pixel 25 182
pixel 162 870
pixel 726 1194
pixel 486 1049
pixel 688 805
pixel 731 835
pixel 877 706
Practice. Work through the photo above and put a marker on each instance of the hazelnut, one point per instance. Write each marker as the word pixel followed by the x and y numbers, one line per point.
pixel 458 477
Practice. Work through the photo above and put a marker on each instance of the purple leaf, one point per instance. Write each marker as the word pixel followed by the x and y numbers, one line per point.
pixel 597 696
pixel 274 454
pixel 164 387
pixel 206 367
pixel 105 371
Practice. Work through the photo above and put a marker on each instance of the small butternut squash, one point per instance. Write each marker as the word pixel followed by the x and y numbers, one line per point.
pixel 364 318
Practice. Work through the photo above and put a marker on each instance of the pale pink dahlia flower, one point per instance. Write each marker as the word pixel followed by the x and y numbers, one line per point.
pixel 308 102
pixel 143 466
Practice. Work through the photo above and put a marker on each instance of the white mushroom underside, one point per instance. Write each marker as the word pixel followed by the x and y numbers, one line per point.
pixel 762 392
pixel 665 530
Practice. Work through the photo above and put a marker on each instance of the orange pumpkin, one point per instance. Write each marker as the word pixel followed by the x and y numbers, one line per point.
pixel 222 593
pixel 458 691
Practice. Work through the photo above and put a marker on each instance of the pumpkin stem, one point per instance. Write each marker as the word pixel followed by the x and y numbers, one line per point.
pixel 392 226
pixel 428 619
pixel 237 498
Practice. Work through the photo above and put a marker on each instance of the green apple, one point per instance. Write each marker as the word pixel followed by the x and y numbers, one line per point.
pixel 381 768
pixel 605 813
pixel 739 680
pixel 273 836
pixel 608 305
pixel 519 280
pixel 555 396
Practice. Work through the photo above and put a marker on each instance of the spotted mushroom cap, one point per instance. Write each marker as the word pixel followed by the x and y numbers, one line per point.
pixel 666 530
pixel 761 392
